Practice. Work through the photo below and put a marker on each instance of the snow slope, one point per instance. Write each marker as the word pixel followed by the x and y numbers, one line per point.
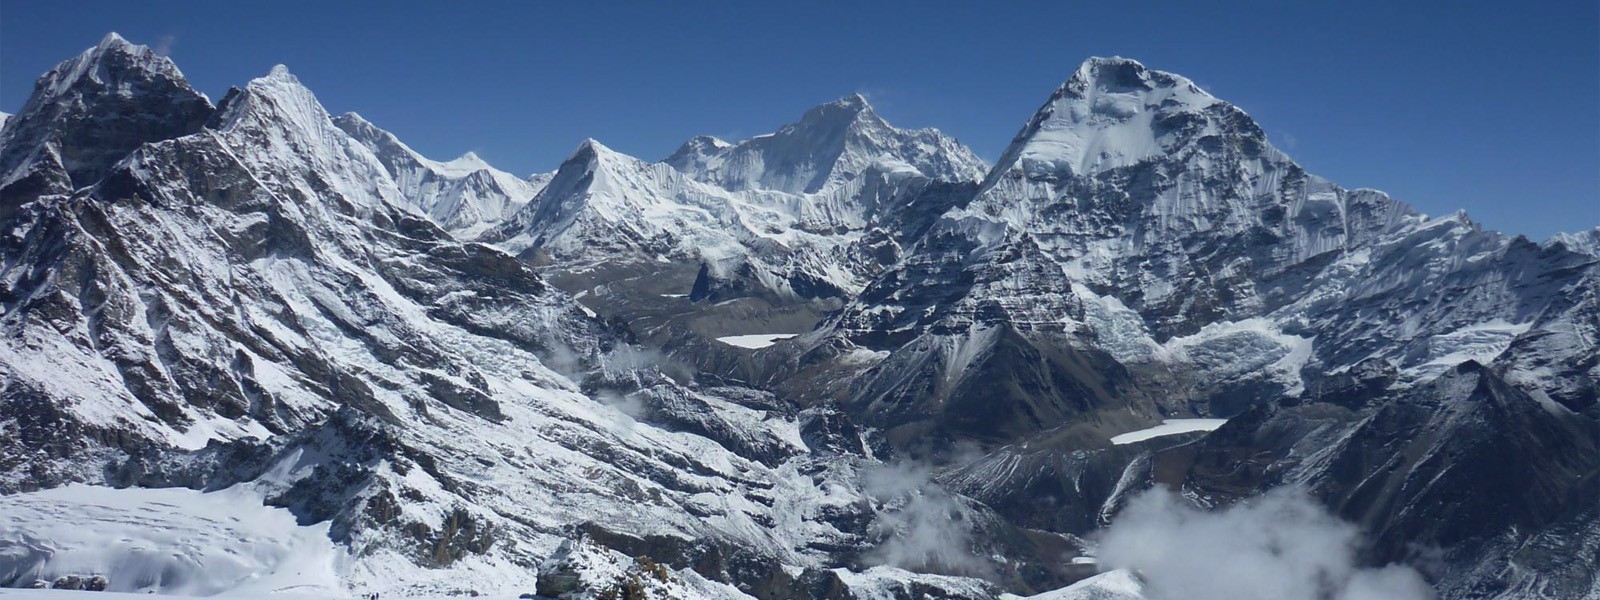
pixel 166 541
pixel 1111 585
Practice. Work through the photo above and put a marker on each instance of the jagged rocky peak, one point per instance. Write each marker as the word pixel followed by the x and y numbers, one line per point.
pixel 91 110
pixel 277 98
pixel 695 155
pixel 114 64
pixel 830 146
pixel 280 115
pixel 1115 112
pixel 466 196
pixel 583 179
pixel 1582 242
pixel 591 149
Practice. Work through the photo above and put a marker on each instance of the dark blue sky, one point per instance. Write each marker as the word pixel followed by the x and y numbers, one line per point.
pixel 1488 106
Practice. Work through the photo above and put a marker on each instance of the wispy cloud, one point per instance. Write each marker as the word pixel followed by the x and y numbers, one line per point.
pixel 164 45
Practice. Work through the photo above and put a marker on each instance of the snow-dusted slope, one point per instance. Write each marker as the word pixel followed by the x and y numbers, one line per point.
pixel 465 196
pixel 170 541
pixel 1585 242
pixel 1111 585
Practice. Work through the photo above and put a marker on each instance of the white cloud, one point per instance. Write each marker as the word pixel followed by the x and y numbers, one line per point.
pixel 921 523
pixel 1279 546
pixel 164 45
pixel 1289 140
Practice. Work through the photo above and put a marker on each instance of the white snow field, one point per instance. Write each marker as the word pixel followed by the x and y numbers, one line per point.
pixel 1168 427
pixel 83 595
pixel 166 541
pixel 756 340
pixel 1119 584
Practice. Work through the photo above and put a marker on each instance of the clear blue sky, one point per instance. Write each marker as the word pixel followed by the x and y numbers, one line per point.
pixel 1493 107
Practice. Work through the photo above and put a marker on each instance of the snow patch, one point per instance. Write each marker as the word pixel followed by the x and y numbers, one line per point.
pixel 755 341
pixel 1168 427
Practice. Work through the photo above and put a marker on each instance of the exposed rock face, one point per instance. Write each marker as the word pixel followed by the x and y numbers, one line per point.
pixel 95 583
pixel 88 113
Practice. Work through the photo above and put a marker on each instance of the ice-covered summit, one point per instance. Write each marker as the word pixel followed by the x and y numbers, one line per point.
pixel 465 195
pixel 1582 242
pixel 107 100
pixel 831 145
pixel 278 100
pixel 1112 112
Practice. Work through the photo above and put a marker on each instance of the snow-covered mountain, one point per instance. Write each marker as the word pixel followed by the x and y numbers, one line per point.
pixel 250 305
pixel 1584 242
pixel 832 146
pixel 1179 243
pixel 465 196
pixel 387 373
pixel 87 113
pixel 1141 251
pixel 784 226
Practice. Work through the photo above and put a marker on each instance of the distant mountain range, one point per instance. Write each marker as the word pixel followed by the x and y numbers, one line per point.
pixel 840 360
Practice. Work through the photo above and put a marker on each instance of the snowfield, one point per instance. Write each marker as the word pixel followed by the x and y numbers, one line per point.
pixel 167 541
pixel 1111 585
pixel 756 340
pixel 1168 427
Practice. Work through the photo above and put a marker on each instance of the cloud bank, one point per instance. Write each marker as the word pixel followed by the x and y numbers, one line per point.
pixel 921 524
pixel 1279 546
